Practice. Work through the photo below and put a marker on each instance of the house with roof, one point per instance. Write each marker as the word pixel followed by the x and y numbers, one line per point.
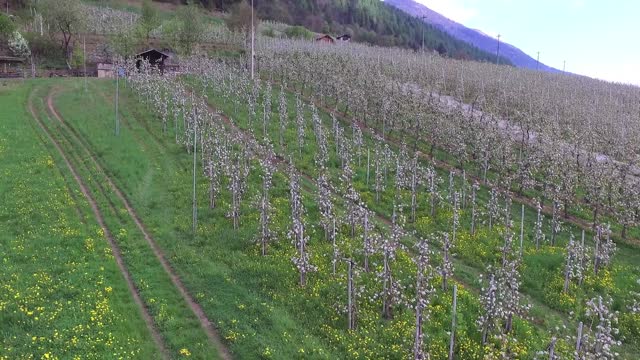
pixel 326 39
pixel 154 57
pixel 11 66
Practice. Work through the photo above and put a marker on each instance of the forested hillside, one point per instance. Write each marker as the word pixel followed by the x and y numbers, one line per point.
pixel 474 37
pixel 370 21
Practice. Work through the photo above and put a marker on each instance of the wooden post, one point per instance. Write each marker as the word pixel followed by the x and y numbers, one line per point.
pixel 253 32
pixel 566 275
pixel 417 342
pixel 445 256
pixel 433 191
pixel 473 211
pixel 195 161
pixel 464 189
pixel 368 163
pixel 451 186
pixel 552 348
pixel 366 240
pixel 455 216
pixel 350 313
pixel 84 58
pixel 454 310
pixel 596 260
pixel 117 99
pixel 521 230
pixel 333 237
pixel 579 341
pixel 582 256
pixel 303 278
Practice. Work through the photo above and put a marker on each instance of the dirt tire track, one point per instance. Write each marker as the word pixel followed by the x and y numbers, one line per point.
pixel 206 324
pixel 157 141
pixel 83 162
pixel 115 249
pixel 67 180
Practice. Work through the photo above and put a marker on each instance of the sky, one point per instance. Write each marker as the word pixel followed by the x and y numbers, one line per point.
pixel 597 38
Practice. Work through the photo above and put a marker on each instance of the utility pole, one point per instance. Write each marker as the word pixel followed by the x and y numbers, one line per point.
pixel 538 60
pixel 423 27
pixel 564 66
pixel 84 58
pixel 195 158
pixel 117 72
pixel 253 55
pixel 498 51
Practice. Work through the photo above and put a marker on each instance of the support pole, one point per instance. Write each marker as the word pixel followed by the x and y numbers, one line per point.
pixel 579 340
pixel 195 161
pixel 253 54
pixel 351 317
pixel 521 230
pixel 454 310
pixel 117 99
pixel 84 60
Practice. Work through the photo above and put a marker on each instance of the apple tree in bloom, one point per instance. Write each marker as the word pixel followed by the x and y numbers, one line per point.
pixel 596 337
pixel 635 306
pixel 300 124
pixel 501 299
pixel 325 204
pixel 297 232
pixel 392 290
pixel 575 262
pixel 369 240
pixel 266 108
pixel 216 158
pixel 539 233
pixel 423 292
pixel 283 116
pixel 446 268
pixel 238 172
pixel 604 248
pixel 264 204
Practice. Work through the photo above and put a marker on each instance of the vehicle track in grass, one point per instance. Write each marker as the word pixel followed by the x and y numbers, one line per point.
pixel 68 180
pixel 115 249
pixel 158 143
pixel 206 324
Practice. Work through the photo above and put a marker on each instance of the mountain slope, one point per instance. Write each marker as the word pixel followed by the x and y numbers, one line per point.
pixel 471 36
pixel 370 21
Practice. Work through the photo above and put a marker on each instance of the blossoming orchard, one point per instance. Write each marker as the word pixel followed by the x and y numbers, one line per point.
pixel 344 202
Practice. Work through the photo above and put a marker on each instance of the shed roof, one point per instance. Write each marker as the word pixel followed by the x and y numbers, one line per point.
pixel 152 52
pixel 11 59
pixel 325 37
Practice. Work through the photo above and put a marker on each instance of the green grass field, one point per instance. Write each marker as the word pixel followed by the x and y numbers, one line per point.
pixel 56 258
pixel 61 294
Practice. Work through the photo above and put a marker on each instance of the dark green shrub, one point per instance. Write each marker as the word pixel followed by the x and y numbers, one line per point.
pixel 298 32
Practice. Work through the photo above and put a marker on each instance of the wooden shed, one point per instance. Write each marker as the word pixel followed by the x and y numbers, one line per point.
pixel 10 65
pixel 326 39
pixel 155 57
pixel 105 70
